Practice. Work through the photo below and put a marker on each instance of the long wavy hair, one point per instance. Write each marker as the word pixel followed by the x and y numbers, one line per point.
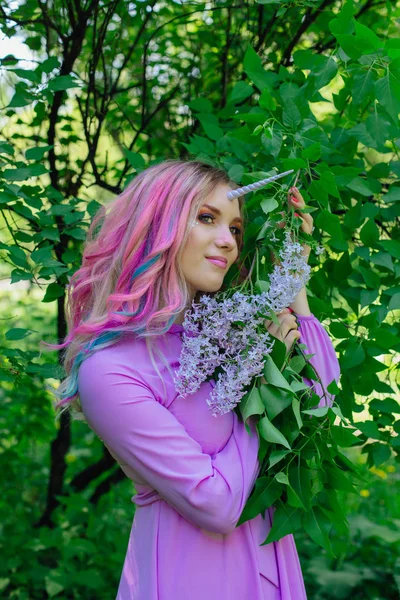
pixel 130 280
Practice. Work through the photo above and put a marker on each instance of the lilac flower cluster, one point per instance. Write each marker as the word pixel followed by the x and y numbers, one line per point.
pixel 228 331
pixel 288 278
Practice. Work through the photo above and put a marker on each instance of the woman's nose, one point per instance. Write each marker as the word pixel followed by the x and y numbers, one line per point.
pixel 227 239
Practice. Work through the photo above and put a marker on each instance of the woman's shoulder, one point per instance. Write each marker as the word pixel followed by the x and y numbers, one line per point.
pixel 123 355
pixel 130 355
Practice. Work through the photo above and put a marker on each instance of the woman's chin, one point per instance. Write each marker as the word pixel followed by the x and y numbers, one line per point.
pixel 210 288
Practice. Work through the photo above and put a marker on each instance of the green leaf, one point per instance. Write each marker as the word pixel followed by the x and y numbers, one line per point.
pixel 267 491
pixel 62 82
pixel 329 223
pixel 53 292
pixel 135 159
pixel 18 257
pixel 279 351
pixel 291 114
pixel 361 134
pixel 286 520
pixel 362 85
pixel 368 297
pixel 369 233
pixel 313 152
pixel 241 91
pixel 253 67
pixel 270 433
pixel 272 145
pixel 339 480
pixel 339 330
pixel 344 436
pixel 385 339
pixel 309 372
pixel 251 404
pixel 391 246
pixel 27 74
pixel 317 525
pixel 370 429
pixel 354 47
pixel 298 386
pixel 322 68
pixel 268 205
pixel 295 164
pixel 365 33
pixel 388 406
pixel 48 65
pixel 37 153
pixel 24 173
pixel 386 96
pixel 383 259
pixel 6 148
pixel 380 453
pixel 354 355
pixel 262 286
pixel 296 412
pixel 18 333
pixel 21 98
pixel 273 375
pixel 393 195
pixel 360 186
pixel 317 412
pixel 275 400
pixel 333 388
pixel 300 481
pixel 394 303
pixel 297 363
pixel 282 478
pixel 276 456
pixel 343 21
pixel 266 100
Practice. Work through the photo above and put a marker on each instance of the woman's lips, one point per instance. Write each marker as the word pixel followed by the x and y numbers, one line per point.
pixel 218 263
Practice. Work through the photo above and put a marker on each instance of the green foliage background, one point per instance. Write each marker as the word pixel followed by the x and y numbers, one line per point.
pixel 309 85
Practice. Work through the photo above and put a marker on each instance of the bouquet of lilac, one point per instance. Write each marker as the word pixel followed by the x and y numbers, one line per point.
pixel 230 334
pixel 225 339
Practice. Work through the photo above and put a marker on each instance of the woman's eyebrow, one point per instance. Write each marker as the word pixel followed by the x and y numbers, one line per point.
pixel 218 212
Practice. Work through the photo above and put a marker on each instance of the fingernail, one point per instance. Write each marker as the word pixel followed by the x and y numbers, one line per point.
pixel 296 215
pixel 291 310
pixel 295 200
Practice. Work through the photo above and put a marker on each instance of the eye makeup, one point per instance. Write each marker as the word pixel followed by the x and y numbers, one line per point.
pixel 207 215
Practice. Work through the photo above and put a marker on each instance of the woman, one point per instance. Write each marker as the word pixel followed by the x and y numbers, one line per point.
pixel 192 472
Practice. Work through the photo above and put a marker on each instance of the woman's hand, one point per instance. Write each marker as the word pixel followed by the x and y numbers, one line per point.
pixel 287 331
pixel 296 201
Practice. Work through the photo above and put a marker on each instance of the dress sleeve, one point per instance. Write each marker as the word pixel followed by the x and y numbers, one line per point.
pixel 122 410
pixel 325 361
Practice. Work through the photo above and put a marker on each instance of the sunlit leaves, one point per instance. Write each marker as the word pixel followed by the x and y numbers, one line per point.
pixel 62 82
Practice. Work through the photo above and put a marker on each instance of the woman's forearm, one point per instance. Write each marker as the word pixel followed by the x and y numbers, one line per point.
pixel 300 304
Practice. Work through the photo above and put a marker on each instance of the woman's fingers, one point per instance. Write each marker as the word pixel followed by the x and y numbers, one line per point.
pixel 291 337
pixel 286 331
pixel 296 201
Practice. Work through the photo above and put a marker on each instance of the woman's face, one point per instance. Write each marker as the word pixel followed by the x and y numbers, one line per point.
pixel 212 235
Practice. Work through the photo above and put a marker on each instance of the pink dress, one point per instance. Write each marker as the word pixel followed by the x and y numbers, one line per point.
pixel 193 474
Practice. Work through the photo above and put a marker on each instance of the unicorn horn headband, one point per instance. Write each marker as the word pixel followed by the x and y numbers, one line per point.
pixel 255 186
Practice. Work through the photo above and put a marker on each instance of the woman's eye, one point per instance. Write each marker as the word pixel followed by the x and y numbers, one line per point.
pixel 236 232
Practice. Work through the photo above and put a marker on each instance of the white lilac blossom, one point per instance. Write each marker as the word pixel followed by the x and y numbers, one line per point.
pixel 229 333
